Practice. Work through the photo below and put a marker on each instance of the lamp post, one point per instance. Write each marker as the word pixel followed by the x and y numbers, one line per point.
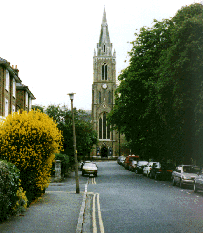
pixel 74 145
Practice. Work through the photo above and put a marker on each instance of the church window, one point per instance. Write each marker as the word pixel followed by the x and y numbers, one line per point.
pixel 109 97
pixel 104 48
pixel 104 128
pixel 99 97
pixel 100 128
pixel 104 71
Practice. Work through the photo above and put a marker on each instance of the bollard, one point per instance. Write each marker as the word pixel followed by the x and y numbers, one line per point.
pixel 58 170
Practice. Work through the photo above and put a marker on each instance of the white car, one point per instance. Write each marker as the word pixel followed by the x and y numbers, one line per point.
pixel 185 175
pixel 148 167
pixel 89 168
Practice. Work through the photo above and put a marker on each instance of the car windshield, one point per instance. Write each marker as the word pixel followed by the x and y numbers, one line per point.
pixel 89 165
pixel 190 169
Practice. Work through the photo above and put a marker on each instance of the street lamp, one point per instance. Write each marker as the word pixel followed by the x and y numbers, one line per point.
pixel 74 145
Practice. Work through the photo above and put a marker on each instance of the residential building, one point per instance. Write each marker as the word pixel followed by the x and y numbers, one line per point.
pixel 10 87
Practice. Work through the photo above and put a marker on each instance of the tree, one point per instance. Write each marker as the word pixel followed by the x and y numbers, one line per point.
pixel 134 111
pixel 158 102
pixel 86 137
pixel 181 75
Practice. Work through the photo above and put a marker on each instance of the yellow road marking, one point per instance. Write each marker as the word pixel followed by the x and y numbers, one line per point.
pixel 101 225
pixel 93 216
pixel 99 214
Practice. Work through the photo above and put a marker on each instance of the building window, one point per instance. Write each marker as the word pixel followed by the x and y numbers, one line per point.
pixel 104 71
pixel 14 88
pixel 26 99
pixel 104 128
pixel 7 80
pixel 99 97
pixel 104 48
pixel 30 104
pixel 13 108
pixel 6 107
pixel 100 127
pixel 109 97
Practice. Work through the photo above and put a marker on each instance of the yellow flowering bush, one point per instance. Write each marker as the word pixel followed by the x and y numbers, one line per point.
pixel 30 141
pixel 21 203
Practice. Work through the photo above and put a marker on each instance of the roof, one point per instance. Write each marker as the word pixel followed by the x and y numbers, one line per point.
pixel 6 64
pixel 20 86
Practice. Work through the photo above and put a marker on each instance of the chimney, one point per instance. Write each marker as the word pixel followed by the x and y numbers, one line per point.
pixel 16 70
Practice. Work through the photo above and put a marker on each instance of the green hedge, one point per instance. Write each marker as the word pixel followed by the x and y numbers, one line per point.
pixel 12 196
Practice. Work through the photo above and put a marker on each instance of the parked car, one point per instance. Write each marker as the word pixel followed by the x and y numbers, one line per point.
pixel 89 168
pixel 198 182
pixel 185 175
pixel 140 166
pixel 147 168
pixel 162 171
pixel 130 158
pixel 82 163
pixel 121 160
pixel 133 165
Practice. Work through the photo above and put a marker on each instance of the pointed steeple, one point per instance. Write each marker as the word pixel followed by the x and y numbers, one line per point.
pixel 104 47
pixel 104 21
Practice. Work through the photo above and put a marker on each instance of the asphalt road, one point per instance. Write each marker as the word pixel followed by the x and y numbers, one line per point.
pixel 125 202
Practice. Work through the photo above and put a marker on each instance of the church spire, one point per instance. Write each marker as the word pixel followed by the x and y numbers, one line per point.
pixel 104 21
pixel 104 47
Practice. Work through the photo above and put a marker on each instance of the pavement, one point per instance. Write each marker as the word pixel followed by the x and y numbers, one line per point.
pixel 60 209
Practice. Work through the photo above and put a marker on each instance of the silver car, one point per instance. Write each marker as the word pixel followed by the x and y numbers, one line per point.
pixel 198 182
pixel 185 175
pixel 89 168
pixel 148 167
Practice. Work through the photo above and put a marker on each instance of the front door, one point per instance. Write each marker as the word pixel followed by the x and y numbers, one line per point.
pixel 104 152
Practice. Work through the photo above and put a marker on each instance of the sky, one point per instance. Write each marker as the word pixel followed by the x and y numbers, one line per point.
pixel 52 42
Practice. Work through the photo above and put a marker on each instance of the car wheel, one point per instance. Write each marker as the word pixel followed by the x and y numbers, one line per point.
pixel 150 175
pixel 181 184
pixel 136 171
pixel 174 183
pixel 195 188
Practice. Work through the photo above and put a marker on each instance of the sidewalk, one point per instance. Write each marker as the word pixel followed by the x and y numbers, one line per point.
pixel 57 211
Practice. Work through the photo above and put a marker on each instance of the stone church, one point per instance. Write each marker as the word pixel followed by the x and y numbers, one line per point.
pixel 103 88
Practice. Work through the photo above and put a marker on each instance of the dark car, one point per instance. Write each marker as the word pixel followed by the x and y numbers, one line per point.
pixel 162 171
pixel 140 166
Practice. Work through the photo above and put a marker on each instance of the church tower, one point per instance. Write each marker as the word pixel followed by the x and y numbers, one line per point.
pixel 103 88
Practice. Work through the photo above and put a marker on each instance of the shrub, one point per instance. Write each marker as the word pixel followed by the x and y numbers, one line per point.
pixel 30 141
pixel 9 185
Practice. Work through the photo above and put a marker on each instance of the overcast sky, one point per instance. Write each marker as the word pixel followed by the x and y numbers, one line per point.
pixel 52 42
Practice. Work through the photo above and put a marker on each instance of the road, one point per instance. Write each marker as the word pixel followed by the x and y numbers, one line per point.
pixel 122 201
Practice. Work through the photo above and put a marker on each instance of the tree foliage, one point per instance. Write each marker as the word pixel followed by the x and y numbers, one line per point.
pixel 86 137
pixel 158 101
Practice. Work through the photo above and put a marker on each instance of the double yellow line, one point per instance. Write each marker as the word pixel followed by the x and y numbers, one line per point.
pixel 92 181
pixel 101 225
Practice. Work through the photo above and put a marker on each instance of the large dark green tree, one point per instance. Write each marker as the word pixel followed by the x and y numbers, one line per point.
pixel 86 137
pixel 158 101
